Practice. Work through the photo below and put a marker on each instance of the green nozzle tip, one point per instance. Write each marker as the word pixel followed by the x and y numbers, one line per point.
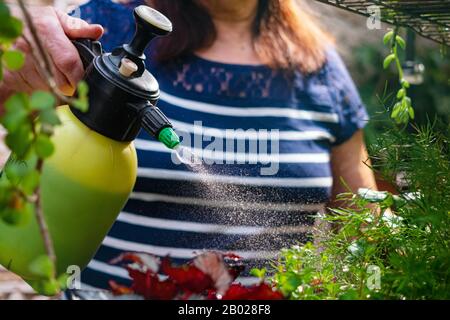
pixel 169 138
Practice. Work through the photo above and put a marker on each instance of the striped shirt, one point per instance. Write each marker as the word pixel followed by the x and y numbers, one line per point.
pixel 265 138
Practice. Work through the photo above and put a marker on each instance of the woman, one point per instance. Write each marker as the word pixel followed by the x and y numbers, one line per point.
pixel 232 64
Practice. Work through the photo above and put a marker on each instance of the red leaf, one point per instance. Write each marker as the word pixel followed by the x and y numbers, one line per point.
pixel 213 265
pixel 211 294
pixel 256 292
pixel 236 292
pixel 265 292
pixel 209 275
pixel 151 287
pixel 188 277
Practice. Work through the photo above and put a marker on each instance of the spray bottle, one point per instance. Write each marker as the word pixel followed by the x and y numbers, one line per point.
pixel 87 181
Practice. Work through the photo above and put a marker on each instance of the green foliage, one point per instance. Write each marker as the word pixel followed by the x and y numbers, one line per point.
pixel 30 145
pixel 403 110
pixel 10 30
pixel 13 59
pixel 389 59
pixel 44 147
pixel 259 273
pixel 10 27
pixel 49 287
pixel 42 100
pixel 29 121
pixel 42 266
pixel 410 246
pixel 431 98
pixel 82 103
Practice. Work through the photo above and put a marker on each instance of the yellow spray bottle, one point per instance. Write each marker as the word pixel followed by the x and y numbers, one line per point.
pixel 89 178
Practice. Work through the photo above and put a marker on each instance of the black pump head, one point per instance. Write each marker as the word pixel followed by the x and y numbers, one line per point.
pixel 149 24
pixel 122 93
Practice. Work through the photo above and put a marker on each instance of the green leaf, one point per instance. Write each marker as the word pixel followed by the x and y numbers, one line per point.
pixel 401 93
pixel 42 266
pixel 16 112
pixel 20 216
pixel 15 171
pixel 10 27
pixel 44 146
pixel 396 110
pixel 388 37
pixel 389 59
pixel 6 193
pixel 404 83
pixel 407 101
pixel 50 117
pixel 411 112
pixel 82 103
pixel 17 102
pixel 13 120
pixel 402 116
pixel 83 89
pixel 62 281
pixel 20 140
pixel 258 273
pixel 14 59
pixel 401 42
pixel 49 287
pixel 291 282
pixel 389 201
pixel 30 182
pixel 42 100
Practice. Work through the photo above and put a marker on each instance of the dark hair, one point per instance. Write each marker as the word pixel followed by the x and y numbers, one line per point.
pixel 285 34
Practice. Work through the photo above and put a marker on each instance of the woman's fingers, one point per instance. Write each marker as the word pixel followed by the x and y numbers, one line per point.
pixel 76 28
pixel 60 49
pixel 55 29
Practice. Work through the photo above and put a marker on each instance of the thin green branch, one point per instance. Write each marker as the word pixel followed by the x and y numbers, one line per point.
pixel 43 227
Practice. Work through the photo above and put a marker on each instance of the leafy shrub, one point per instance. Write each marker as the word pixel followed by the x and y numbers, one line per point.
pixel 409 247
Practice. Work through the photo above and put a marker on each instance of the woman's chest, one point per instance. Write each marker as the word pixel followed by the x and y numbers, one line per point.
pixel 255 134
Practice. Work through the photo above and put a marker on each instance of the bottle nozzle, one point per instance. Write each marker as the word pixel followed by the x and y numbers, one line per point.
pixel 169 138
pixel 157 124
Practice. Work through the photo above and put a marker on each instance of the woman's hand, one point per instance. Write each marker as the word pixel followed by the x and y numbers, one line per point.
pixel 55 29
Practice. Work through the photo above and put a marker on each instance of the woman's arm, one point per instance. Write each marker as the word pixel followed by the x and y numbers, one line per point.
pixel 350 162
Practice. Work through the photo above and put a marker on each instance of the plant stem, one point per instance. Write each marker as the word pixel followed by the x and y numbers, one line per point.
pixel 43 227
pixel 398 64
pixel 46 71
pixel 395 52
pixel 44 56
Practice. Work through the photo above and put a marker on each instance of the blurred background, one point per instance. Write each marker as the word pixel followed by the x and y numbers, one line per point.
pixel 363 52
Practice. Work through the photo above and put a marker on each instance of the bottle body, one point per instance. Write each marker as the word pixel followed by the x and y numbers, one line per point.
pixel 84 186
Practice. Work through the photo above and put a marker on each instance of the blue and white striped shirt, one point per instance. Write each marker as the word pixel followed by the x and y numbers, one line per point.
pixel 178 210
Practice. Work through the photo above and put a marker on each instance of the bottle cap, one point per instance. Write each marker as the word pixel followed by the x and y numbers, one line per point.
pixel 169 138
